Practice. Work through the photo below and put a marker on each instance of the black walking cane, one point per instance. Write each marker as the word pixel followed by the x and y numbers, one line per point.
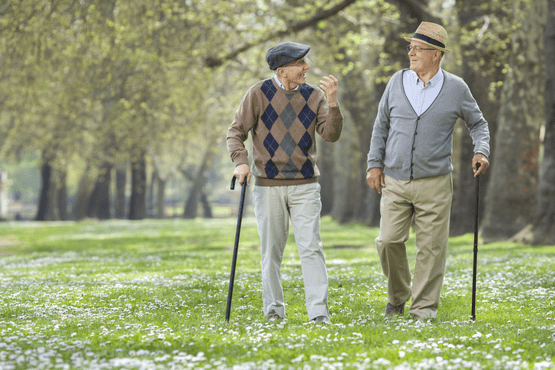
pixel 236 247
pixel 475 267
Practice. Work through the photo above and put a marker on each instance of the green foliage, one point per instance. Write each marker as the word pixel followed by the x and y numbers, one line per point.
pixel 486 32
pixel 91 81
pixel 152 294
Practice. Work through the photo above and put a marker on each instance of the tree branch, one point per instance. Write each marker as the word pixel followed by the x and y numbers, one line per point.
pixel 295 27
pixel 420 9
pixel 4 8
pixel 415 6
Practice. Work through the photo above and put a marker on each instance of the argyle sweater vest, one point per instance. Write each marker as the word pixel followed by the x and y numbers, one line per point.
pixel 283 126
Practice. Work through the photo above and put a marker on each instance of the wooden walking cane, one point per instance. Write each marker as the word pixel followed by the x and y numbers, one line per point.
pixel 475 267
pixel 236 247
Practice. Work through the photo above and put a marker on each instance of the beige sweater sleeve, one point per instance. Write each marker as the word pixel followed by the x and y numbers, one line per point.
pixel 330 122
pixel 238 132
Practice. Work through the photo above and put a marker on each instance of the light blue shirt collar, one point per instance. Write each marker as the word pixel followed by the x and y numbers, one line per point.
pixel 281 85
pixel 421 96
pixel 433 82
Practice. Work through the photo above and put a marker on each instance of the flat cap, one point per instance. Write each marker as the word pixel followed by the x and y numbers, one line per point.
pixel 284 53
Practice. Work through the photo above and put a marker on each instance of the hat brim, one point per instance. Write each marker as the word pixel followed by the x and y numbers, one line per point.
pixel 409 39
pixel 302 55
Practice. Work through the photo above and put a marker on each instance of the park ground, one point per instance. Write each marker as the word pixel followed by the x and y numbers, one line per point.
pixel 152 295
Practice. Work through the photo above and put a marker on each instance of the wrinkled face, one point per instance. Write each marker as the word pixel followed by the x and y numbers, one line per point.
pixel 421 58
pixel 295 72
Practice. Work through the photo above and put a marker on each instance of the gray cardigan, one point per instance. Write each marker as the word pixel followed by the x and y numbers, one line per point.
pixel 407 146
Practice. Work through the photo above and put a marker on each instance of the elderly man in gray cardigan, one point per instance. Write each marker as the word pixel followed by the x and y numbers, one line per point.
pixel 409 164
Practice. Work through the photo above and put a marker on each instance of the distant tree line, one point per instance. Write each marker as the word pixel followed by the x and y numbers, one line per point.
pixel 133 94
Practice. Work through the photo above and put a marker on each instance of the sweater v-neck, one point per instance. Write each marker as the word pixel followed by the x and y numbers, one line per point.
pixel 285 91
pixel 431 105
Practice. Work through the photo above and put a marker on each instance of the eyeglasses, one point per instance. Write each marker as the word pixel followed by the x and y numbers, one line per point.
pixel 418 48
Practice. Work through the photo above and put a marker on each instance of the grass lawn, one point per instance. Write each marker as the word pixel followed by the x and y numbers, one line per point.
pixel 152 295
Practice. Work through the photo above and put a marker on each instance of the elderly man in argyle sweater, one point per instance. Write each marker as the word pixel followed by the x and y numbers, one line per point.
pixel 283 115
pixel 409 163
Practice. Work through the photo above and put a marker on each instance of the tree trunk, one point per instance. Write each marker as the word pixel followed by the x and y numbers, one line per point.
pixel 53 214
pixel 44 200
pixel 344 191
pixel 160 197
pixel 344 179
pixel 326 165
pixel 62 195
pixel 121 179
pixel 80 202
pixel 207 209
pixel 99 201
pixel 367 208
pixel 90 211
pixel 191 205
pixel 472 15
pixel 150 198
pixel 512 190
pixel 104 181
pixel 542 230
pixel 138 188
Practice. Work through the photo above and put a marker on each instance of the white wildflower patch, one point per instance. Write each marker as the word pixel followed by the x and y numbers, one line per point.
pixel 133 305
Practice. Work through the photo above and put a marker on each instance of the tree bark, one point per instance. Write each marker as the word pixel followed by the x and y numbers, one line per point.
pixel 542 230
pixel 62 195
pixel 90 211
pixel 191 205
pixel 99 201
pixel 160 197
pixel 511 194
pixel 344 178
pixel 103 203
pixel 544 217
pixel 138 187
pixel 151 193
pixel 44 200
pixel 352 200
pixel 206 207
pixel 412 14
pixel 326 165
pixel 121 180
pixel 472 15
pixel 52 213
pixel 82 196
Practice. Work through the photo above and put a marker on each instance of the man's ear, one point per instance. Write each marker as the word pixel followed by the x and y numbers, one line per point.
pixel 281 72
pixel 438 55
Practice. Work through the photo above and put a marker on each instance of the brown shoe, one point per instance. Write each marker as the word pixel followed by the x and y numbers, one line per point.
pixel 391 310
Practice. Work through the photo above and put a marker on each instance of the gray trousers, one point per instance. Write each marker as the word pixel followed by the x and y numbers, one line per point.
pixel 273 207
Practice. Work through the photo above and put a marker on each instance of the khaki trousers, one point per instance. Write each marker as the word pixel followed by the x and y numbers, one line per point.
pixel 273 207
pixel 429 201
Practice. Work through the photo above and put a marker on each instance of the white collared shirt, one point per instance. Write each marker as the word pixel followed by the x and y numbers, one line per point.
pixel 421 95
pixel 281 85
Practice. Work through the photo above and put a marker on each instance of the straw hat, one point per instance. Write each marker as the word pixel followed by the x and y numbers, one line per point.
pixel 431 34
